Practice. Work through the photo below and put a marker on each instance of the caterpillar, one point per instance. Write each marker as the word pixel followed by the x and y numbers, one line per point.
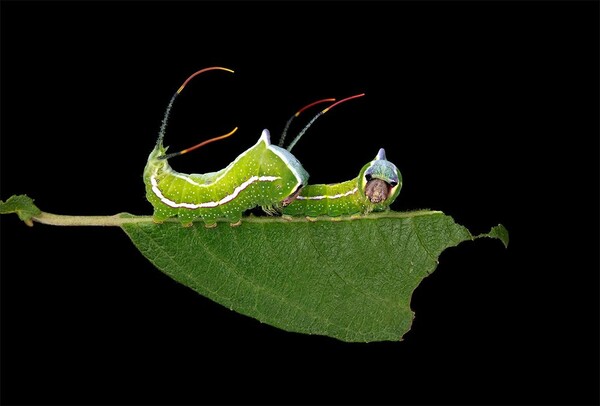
pixel 264 175
pixel 374 189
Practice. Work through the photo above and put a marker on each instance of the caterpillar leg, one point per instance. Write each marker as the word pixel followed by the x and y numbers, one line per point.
pixel 311 219
pixel 210 219
pixel 159 216
pixel 237 223
pixel 188 224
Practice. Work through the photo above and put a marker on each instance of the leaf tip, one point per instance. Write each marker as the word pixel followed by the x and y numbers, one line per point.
pixel 500 232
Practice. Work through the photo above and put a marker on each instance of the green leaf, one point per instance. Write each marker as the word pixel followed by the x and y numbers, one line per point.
pixel 22 205
pixel 500 232
pixel 351 279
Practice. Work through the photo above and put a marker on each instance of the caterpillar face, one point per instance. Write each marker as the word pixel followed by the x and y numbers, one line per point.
pixel 381 181
pixel 377 190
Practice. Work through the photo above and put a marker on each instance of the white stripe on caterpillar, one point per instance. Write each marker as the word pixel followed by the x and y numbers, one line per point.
pixel 339 195
pixel 224 200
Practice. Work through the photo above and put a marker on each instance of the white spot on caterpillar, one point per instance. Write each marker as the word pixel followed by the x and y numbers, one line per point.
pixel 340 195
pixel 224 200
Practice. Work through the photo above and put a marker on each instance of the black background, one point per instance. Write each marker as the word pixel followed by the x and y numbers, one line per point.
pixel 489 109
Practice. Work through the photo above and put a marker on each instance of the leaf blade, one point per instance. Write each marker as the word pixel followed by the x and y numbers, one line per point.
pixel 351 279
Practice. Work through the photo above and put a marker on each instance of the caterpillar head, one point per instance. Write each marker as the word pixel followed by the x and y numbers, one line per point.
pixel 380 181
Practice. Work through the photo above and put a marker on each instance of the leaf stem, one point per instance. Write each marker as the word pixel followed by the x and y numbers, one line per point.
pixel 113 221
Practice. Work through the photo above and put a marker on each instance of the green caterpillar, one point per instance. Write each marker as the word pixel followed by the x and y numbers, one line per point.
pixel 374 189
pixel 265 175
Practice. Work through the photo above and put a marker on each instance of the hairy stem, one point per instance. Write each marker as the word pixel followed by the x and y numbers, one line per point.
pixel 62 220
